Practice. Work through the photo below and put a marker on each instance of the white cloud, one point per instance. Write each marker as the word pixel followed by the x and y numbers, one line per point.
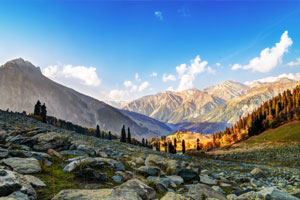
pixel 154 74
pixel 294 63
pixel 218 64
pixel 137 77
pixel 169 77
pixel 86 75
pixel 170 88
pixel 269 58
pixel 118 94
pixel 211 70
pixel 159 15
pixel 128 84
pixel 143 86
pixel 50 71
pixel 270 79
pixel 187 74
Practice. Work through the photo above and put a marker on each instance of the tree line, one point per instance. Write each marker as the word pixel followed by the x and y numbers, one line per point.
pixel 278 110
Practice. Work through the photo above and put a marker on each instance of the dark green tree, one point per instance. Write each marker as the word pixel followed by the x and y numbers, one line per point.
pixel 198 145
pixel 175 143
pixel 44 113
pixel 183 146
pixel 37 108
pixel 143 142
pixel 98 132
pixel 123 135
pixel 109 135
pixel 128 136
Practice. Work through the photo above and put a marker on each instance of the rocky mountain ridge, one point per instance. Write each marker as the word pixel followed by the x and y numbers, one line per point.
pixel 22 84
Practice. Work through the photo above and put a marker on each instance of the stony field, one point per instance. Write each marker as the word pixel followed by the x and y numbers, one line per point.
pixel 39 161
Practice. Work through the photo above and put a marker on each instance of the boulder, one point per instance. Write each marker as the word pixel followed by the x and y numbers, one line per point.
pixel 91 175
pixel 148 171
pixel 117 179
pixel 23 165
pixel 11 182
pixel 178 180
pixel 100 194
pixel 16 196
pixel 143 190
pixel 274 194
pixel 34 181
pixel 119 166
pixel 155 160
pixel 74 153
pixel 123 194
pixel 51 140
pixel 199 190
pixel 174 196
pixel 257 173
pixel 188 175
pixel 88 149
pixel 207 180
pixel 83 163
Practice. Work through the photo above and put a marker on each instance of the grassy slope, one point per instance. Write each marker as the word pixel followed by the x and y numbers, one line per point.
pixel 289 132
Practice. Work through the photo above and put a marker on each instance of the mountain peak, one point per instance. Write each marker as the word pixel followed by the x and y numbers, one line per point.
pixel 21 64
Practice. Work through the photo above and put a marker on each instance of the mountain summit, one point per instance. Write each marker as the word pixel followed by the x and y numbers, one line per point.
pixel 22 84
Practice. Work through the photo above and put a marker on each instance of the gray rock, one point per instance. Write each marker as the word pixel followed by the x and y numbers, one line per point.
pixel 148 171
pixel 91 175
pixel 16 196
pixel 178 180
pixel 34 181
pixel 119 166
pixel 23 165
pixel 257 172
pixel 88 149
pixel 160 187
pixel 199 190
pixel 174 196
pixel 74 153
pixel 274 194
pixel 207 180
pixel 188 175
pixel 143 190
pixel 83 163
pixel 11 182
pixel 100 194
pixel 117 179
pixel 155 160
pixel 123 194
pixel 51 140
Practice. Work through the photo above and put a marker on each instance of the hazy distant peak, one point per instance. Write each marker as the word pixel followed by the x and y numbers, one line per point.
pixel 21 64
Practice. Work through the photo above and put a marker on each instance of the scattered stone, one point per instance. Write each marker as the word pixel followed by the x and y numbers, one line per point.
pixel 74 153
pixel 188 175
pixel 207 180
pixel 117 179
pixel 34 181
pixel 257 173
pixel 155 160
pixel 143 190
pixel 89 150
pixel 100 194
pixel 91 175
pixel 178 180
pixel 148 171
pixel 274 194
pixel 173 196
pixel 23 165
pixel 51 140
pixel 119 166
pixel 199 190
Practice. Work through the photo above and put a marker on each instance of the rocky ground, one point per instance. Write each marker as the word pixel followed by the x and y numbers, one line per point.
pixel 39 161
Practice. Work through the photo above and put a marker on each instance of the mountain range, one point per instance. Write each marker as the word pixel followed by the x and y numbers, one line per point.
pixel 206 111
pixel 22 84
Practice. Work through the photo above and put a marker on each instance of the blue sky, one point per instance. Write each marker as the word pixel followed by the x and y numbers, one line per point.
pixel 100 47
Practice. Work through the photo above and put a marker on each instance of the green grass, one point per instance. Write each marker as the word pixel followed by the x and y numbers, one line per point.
pixel 286 133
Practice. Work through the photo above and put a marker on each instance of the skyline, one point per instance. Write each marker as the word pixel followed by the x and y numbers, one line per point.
pixel 125 50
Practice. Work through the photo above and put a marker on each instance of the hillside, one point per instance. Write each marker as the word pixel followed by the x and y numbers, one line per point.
pixel 246 103
pixel 176 107
pixel 22 84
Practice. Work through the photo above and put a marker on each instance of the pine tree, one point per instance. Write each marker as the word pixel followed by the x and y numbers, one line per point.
pixel 109 135
pixel 103 135
pixel 146 142
pixel 123 135
pixel 175 143
pixel 183 146
pixel 128 136
pixel 143 142
pixel 37 108
pixel 98 132
pixel 198 145
pixel 44 113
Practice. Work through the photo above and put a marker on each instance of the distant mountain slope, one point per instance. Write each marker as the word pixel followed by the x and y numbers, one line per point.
pixel 142 120
pixel 246 103
pixel 227 90
pixel 176 107
pixel 22 84
pixel 202 127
